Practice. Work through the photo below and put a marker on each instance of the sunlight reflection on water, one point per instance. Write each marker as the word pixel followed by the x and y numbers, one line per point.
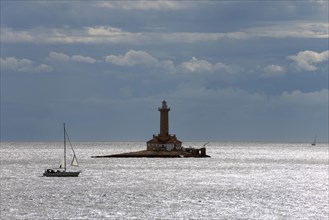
pixel 240 180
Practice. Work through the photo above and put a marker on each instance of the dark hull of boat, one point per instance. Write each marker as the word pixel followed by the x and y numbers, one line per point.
pixel 61 174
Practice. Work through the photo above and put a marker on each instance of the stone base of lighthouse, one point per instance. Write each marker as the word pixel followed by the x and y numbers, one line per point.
pixel 169 142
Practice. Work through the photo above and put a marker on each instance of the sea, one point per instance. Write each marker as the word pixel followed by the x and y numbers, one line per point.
pixel 241 180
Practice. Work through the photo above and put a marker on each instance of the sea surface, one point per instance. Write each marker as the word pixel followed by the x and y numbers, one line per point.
pixel 239 181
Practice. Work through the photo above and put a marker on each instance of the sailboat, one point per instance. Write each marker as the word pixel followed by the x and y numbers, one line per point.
pixel 314 142
pixel 62 171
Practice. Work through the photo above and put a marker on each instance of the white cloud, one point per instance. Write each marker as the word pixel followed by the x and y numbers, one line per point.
pixel 79 58
pixel 224 68
pixel 13 63
pixel 104 31
pixel 273 71
pixel 107 34
pixel 291 30
pixel 132 58
pixel 11 36
pixel 114 35
pixel 274 68
pixel 196 65
pixel 23 65
pixel 140 58
pixel 67 35
pixel 61 57
pixel 280 30
pixel 43 68
pixel 54 56
pixel 307 60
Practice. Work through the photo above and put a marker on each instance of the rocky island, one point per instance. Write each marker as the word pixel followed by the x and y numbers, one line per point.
pixel 163 144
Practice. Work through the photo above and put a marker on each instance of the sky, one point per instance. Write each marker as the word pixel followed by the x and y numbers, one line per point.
pixel 229 70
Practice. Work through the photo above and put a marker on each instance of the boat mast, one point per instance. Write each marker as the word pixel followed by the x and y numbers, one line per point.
pixel 64 147
pixel 314 142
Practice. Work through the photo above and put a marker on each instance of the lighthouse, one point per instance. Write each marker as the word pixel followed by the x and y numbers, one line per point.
pixel 164 141
pixel 164 145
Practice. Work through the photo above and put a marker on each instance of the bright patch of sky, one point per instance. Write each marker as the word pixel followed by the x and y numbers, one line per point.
pixel 230 70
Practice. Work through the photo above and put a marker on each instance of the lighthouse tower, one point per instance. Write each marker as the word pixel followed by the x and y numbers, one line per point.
pixel 164 120
pixel 164 141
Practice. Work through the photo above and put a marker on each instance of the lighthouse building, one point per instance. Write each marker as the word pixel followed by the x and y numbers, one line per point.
pixel 164 141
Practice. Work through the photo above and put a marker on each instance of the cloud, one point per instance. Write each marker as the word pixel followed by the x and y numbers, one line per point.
pixel 273 71
pixel 23 65
pixel 61 57
pixel 104 31
pixel 196 65
pixel 133 58
pixel 114 35
pixel 79 58
pixel 307 60
pixel 90 35
pixel 142 58
pixel 54 56
pixel 12 36
pixel 106 35
pixel 139 58
pixel 290 30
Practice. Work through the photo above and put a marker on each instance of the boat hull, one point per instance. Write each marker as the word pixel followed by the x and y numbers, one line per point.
pixel 61 174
